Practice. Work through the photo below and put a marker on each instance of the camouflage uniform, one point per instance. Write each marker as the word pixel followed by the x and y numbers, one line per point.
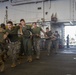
pixel 14 44
pixel 48 41
pixel 14 48
pixel 21 41
pixel 36 40
pixel 1 59
pixel 2 49
pixel 56 42
pixel 27 42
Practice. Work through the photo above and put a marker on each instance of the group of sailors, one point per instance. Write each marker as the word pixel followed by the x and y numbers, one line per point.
pixel 21 40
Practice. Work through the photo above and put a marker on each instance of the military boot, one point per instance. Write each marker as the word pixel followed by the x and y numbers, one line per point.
pixel 13 65
pixel 29 59
pixel 2 67
pixel 37 57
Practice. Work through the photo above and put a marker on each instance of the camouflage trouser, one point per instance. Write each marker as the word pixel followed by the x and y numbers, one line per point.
pixel 56 45
pixel 14 48
pixel 36 42
pixel 27 43
pixel 1 61
pixel 48 45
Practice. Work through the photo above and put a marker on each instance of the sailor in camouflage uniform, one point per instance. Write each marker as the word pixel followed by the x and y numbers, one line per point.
pixel 36 38
pixel 14 44
pixel 56 41
pixel 2 48
pixel 27 42
pixel 48 40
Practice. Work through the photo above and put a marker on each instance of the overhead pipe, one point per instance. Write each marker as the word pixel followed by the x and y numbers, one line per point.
pixel 22 3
